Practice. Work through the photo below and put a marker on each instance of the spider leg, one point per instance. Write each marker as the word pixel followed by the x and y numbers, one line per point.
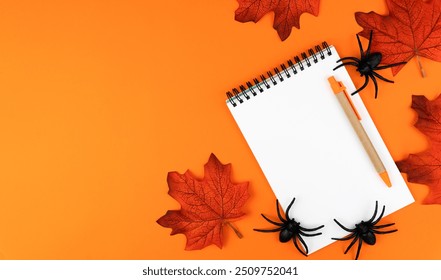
pixel 384 232
pixel 375 213
pixel 304 244
pixel 379 217
pixel 343 227
pixel 349 58
pixel 289 208
pixel 309 234
pixel 352 243
pixel 297 246
pixel 344 64
pixel 359 248
pixel 311 229
pixel 390 65
pixel 375 84
pixel 360 47
pixel 363 86
pixel 278 211
pixel 381 77
pixel 268 230
pixel 272 222
pixel 383 226
pixel 368 50
pixel 345 238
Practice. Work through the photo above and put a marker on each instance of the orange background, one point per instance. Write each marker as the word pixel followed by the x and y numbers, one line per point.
pixel 101 99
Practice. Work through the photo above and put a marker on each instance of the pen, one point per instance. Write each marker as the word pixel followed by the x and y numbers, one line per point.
pixel 353 116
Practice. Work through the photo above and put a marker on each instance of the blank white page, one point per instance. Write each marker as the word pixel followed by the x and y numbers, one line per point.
pixel 307 149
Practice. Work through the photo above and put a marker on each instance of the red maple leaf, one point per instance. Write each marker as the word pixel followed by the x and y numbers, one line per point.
pixel 412 28
pixel 425 167
pixel 286 12
pixel 206 205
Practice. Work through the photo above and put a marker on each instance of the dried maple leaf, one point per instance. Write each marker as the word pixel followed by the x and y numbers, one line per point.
pixel 425 167
pixel 206 205
pixel 412 28
pixel 286 12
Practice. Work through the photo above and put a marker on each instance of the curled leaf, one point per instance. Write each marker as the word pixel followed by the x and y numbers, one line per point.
pixel 425 167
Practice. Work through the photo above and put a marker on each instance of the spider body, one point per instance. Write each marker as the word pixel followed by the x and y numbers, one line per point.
pixel 367 65
pixel 290 229
pixel 365 231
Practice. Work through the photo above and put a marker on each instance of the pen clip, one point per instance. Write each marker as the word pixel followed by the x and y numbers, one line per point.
pixel 338 87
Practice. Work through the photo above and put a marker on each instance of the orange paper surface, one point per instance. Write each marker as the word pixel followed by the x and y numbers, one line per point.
pixel 101 99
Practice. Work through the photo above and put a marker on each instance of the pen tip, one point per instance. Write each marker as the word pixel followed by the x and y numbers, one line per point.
pixel 385 178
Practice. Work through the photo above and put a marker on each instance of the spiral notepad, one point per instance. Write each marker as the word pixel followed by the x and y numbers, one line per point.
pixel 307 149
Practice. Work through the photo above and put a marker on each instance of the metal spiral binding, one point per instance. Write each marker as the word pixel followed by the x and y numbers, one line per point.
pixel 238 96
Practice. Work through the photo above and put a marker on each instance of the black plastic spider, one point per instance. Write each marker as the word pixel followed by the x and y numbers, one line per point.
pixel 367 65
pixel 365 231
pixel 290 229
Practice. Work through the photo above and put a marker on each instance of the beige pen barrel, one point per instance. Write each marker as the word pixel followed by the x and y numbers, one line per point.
pixel 362 135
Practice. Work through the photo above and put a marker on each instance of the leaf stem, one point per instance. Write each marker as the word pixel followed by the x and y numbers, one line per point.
pixel 423 73
pixel 238 233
